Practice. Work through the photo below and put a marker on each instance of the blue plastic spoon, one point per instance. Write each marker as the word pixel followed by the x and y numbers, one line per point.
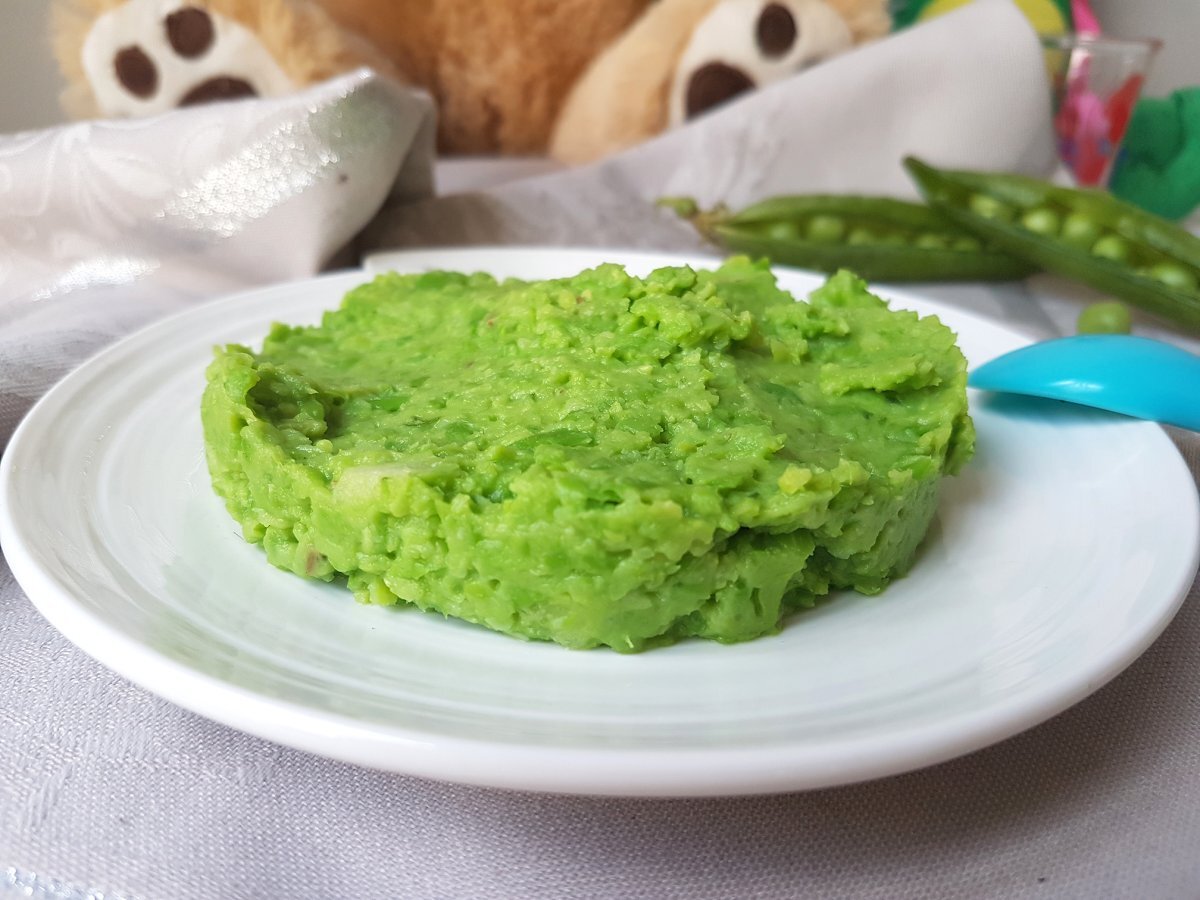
pixel 1135 376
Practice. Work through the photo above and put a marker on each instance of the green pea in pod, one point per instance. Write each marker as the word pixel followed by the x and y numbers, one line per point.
pixel 1087 235
pixel 879 238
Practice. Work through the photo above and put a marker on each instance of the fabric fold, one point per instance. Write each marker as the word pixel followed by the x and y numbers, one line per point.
pixel 105 226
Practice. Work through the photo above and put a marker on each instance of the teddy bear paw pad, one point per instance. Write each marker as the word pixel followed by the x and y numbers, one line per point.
pixel 744 44
pixel 145 57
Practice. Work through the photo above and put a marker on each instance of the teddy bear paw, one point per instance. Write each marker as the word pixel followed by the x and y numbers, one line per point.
pixel 147 56
pixel 745 44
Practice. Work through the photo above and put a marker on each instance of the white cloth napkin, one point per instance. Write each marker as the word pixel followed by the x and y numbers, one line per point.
pixel 107 225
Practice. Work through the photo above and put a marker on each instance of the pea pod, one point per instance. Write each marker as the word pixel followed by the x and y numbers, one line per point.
pixel 1086 235
pixel 879 238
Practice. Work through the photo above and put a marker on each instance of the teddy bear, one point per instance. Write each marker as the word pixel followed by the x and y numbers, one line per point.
pixel 575 79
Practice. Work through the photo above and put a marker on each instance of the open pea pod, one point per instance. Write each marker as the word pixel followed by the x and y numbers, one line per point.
pixel 1086 235
pixel 879 238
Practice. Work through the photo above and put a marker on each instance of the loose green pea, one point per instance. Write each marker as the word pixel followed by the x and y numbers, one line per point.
pixel 859 237
pixel 930 242
pixel 1107 317
pixel 685 207
pixel 826 229
pixel 1174 275
pixel 1041 220
pixel 1079 230
pixel 785 230
pixel 989 207
pixel 967 244
pixel 1113 247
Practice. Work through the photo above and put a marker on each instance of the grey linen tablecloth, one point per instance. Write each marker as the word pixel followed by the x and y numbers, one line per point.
pixel 107 791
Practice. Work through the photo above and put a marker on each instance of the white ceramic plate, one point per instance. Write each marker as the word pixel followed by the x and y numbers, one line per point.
pixel 1055 560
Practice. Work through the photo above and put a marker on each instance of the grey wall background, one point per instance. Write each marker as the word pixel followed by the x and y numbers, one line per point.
pixel 29 79
pixel 1175 22
pixel 30 83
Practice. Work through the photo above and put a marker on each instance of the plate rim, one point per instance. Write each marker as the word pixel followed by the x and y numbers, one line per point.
pixel 474 760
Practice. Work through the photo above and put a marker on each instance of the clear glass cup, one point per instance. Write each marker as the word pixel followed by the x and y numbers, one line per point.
pixel 1096 82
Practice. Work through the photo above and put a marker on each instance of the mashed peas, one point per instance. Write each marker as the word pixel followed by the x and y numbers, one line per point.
pixel 598 460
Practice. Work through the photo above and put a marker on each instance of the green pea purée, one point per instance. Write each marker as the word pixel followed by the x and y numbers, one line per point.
pixel 597 460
